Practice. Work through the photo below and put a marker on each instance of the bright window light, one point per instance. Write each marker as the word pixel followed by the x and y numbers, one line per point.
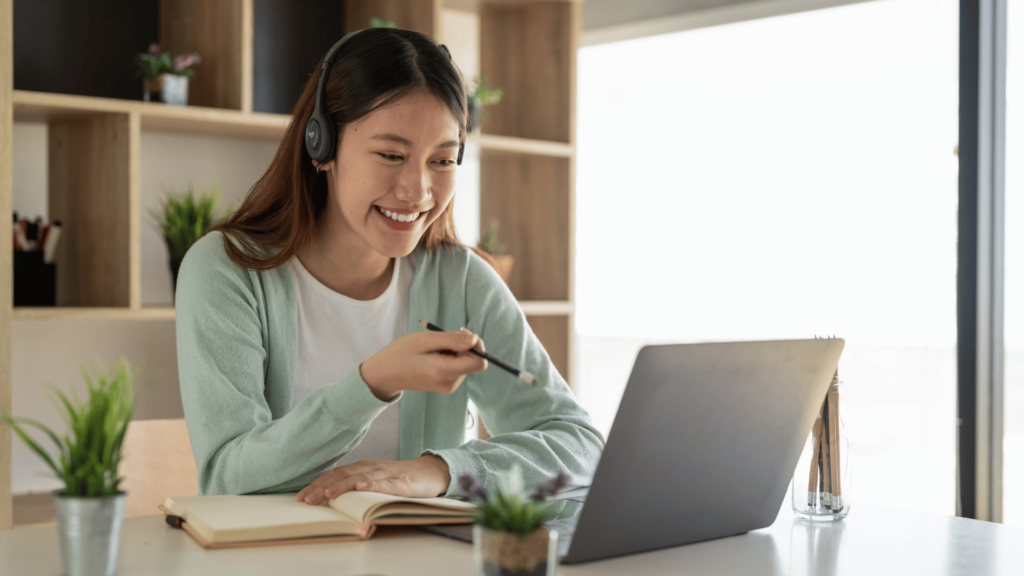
pixel 784 178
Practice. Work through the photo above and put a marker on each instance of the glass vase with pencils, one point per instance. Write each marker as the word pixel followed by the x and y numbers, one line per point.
pixel 821 480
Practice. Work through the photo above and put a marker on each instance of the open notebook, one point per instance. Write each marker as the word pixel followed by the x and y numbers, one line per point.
pixel 256 520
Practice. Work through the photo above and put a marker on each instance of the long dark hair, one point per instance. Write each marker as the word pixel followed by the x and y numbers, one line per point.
pixel 373 69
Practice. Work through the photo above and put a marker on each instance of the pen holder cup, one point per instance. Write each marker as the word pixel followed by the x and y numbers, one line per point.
pixel 35 282
pixel 821 482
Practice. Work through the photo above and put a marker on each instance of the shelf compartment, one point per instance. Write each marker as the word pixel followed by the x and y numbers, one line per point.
pixel 529 196
pixel 219 32
pixel 44 107
pixel 528 50
pixel 89 192
pixel 553 332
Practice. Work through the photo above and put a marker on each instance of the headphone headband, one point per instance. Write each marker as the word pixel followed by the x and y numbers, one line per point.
pixel 319 135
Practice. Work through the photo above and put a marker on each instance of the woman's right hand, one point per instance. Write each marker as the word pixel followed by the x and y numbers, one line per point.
pixel 426 361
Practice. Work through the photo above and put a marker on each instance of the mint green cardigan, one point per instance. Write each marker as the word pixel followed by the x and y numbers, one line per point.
pixel 237 334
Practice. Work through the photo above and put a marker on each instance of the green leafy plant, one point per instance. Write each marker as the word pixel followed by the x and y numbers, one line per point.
pixel 506 506
pixel 482 94
pixel 381 23
pixel 87 456
pixel 154 63
pixel 489 240
pixel 184 217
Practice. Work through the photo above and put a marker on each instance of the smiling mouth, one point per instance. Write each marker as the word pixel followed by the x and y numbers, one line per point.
pixel 399 217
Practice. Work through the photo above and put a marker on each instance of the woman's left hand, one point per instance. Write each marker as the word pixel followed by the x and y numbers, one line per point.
pixel 423 477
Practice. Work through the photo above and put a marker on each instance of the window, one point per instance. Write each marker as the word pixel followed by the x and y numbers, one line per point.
pixel 1013 383
pixel 784 178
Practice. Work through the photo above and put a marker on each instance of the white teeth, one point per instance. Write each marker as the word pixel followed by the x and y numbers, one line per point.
pixel 398 217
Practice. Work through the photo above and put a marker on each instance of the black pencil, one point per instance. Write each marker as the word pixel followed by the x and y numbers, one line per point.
pixel 524 376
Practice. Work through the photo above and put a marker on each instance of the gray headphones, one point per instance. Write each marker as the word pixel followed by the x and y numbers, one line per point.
pixel 319 135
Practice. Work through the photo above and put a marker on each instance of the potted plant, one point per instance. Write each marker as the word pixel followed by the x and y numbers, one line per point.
pixel 91 505
pixel 510 537
pixel 183 218
pixel 376 22
pixel 493 251
pixel 165 79
pixel 478 95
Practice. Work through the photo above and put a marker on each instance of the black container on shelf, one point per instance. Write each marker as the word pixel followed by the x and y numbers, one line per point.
pixel 35 282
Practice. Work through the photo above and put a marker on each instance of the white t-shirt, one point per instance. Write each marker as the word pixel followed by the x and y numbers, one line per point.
pixel 338 333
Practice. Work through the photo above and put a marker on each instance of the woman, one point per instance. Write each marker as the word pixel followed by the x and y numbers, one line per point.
pixel 303 366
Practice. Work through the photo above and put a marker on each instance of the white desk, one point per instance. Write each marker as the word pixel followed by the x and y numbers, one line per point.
pixel 870 541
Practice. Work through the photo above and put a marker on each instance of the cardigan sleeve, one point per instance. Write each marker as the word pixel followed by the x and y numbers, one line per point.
pixel 542 428
pixel 223 342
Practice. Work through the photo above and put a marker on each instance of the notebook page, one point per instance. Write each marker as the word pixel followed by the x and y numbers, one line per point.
pixel 370 505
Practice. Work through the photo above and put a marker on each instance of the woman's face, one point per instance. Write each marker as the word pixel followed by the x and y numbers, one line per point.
pixel 394 174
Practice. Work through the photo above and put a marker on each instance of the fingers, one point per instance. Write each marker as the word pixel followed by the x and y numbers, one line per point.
pixel 451 367
pixel 314 493
pixel 458 341
pixel 480 342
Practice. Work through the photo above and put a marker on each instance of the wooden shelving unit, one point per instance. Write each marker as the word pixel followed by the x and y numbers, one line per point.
pixel 527 159
pixel 529 50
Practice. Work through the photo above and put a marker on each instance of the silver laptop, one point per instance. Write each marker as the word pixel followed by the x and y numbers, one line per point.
pixel 703 446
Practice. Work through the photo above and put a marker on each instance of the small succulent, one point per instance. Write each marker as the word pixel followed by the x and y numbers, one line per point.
pixel 506 507
pixel 489 240
pixel 376 22
pixel 482 94
pixel 154 62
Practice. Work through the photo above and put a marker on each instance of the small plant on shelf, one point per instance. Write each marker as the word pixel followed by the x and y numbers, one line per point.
pixel 376 22
pixel 478 95
pixel 494 252
pixel 183 219
pixel 165 78
pixel 86 459
pixel 510 535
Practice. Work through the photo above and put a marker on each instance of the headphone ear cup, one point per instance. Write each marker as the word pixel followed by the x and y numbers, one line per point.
pixel 319 138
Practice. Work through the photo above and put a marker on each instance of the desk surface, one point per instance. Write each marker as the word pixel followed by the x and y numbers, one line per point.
pixel 870 541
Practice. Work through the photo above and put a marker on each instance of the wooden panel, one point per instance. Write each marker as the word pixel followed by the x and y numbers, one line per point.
pixel 553 333
pixel 215 30
pixel 134 210
pixel 246 72
pixel 33 509
pixel 529 195
pixel 522 145
pixel 6 266
pixel 157 463
pixel 67 313
pixel 90 195
pixel 529 51
pixel 420 15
